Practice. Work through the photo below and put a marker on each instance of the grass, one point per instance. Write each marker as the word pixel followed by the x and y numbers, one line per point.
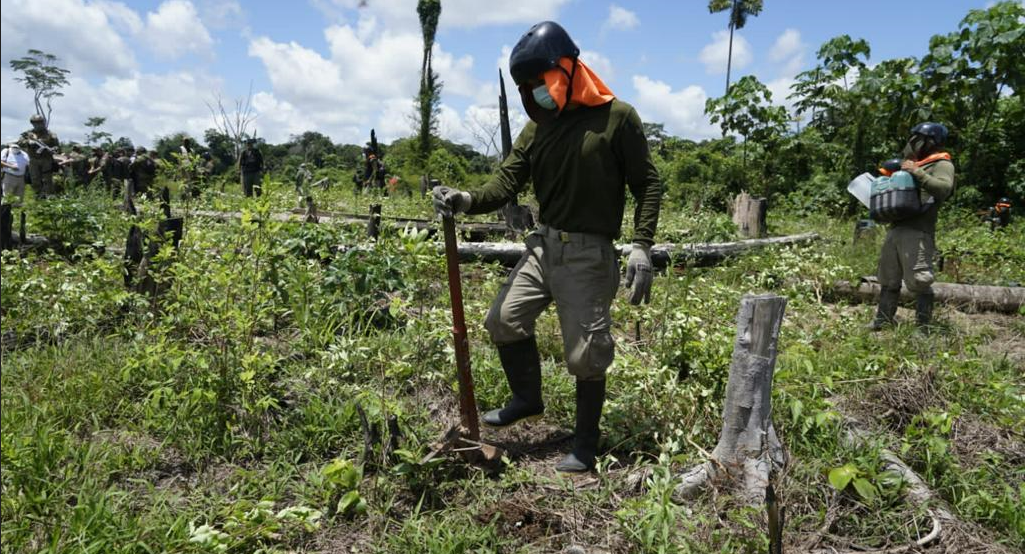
pixel 210 422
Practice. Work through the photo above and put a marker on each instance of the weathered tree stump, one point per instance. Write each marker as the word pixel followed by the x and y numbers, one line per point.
pixel 864 229
pixel 748 449
pixel 749 215
pixel 374 222
pixel 6 227
pixel 518 218
pixel 311 211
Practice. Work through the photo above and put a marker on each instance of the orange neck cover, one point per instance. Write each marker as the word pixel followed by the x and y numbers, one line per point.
pixel 588 89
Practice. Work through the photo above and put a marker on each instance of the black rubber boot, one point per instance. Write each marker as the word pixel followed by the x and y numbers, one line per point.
pixel 923 311
pixel 590 399
pixel 522 365
pixel 886 313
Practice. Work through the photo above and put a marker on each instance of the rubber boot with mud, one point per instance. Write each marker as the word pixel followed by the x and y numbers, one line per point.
pixel 522 365
pixel 590 399
pixel 886 313
pixel 923 311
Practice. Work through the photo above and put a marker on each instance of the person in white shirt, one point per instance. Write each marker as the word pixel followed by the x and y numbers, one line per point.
pixel 15 164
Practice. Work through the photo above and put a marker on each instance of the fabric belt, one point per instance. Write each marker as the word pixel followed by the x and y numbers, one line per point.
pixel 570 237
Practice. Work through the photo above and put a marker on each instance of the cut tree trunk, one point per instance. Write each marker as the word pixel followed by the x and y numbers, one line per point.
pixel 969 298
pixel 748 450
pixel 6 227
pixel 749 215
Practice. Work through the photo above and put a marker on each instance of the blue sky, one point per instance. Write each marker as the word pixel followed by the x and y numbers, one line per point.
pixel 334 67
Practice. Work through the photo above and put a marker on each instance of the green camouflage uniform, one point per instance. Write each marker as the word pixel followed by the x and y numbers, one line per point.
pixel 40 146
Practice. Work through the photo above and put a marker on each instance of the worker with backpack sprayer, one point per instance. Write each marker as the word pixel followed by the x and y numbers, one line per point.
pixel 910 243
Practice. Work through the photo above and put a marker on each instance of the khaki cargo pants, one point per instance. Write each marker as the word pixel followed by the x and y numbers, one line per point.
pixel 580 273
pixel 907 255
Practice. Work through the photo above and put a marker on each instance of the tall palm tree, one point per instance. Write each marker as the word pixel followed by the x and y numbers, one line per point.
pixel 429 96
pixel 740 10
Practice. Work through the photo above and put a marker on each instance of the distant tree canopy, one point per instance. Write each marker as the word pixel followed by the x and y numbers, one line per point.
pixel 42 75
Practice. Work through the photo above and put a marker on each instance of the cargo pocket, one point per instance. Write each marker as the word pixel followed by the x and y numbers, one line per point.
pixel 600 348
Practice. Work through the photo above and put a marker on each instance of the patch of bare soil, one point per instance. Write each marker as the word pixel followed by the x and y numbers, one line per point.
pixel 519 519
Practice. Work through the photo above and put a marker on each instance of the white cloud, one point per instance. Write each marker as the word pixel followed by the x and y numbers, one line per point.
pixel 620 19
pixel 82 35
pixel 682 111
pixel 141 106
pixel 400 15
pixel 788 50
pixel 367 78
pixel 715 54
pixel 599 63
pixel 175 30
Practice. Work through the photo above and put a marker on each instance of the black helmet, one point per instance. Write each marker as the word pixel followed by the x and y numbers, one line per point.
pixel 1005 200
pixel 540 50
pixel 36 118
pixel 935 131
pixel 892 164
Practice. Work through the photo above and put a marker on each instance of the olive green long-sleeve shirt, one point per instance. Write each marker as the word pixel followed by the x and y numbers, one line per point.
pixel 937 182
pixel 580 165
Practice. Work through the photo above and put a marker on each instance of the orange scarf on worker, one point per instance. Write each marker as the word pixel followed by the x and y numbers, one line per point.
pixel 924 161
pixel 587 88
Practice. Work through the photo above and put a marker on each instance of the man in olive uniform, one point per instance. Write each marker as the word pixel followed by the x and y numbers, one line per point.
pixel 303 177
pixel 120 173
pixel 98 170
pixel 999 215
pixel 41 145
pixel 142 171
pixel 78 166
pixel 910 243
pixel 582 148
pixel 250 164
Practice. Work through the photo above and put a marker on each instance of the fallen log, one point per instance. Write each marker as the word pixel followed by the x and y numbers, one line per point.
pixel 969 298
pixel 470 231
pixel 662 255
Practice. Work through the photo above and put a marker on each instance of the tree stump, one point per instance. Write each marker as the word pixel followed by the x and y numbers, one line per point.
pixel 749 215
pixel 374 223
pixel 864 229
pixel 748 449
pixel 6 227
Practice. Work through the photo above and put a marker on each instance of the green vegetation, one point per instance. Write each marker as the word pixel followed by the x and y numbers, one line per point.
pixel 224 415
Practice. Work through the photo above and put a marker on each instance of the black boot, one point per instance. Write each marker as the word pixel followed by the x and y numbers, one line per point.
pixel 522 365
pixel 923 311
pixel 886 314
pixel 590 398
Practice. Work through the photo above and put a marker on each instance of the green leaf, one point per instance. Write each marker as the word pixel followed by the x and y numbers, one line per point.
pixel 841 476
pixel 865 489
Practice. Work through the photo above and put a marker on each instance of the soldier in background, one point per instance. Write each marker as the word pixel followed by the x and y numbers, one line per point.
pixel 303 176
pixel 250 164
pixel 41 145
pixel 1000 214
pixel 76 166
pixel 142 171
pixel 98 163
pixel 119 174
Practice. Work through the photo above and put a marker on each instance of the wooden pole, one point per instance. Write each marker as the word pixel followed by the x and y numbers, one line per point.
pixel 748 449
pixel 467 401
pixel 6 227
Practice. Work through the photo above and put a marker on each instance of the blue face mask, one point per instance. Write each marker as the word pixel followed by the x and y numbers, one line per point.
pixel 543 98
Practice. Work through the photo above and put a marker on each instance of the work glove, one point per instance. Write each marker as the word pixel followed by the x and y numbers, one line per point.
pixel 448 201
pixel 638 273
